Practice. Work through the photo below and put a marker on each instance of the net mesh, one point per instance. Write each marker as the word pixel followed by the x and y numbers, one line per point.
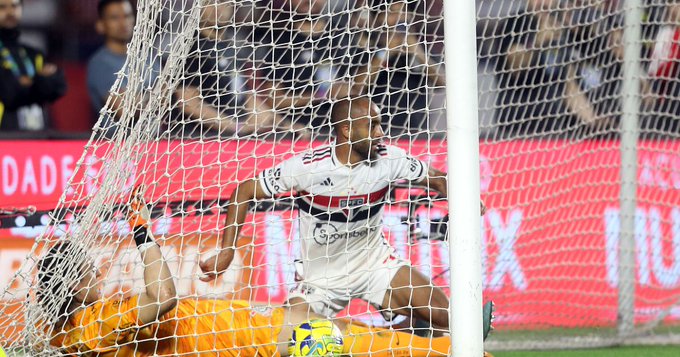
pixel 215 92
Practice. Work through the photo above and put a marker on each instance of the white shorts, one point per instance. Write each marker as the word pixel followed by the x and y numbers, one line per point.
pixel 369 285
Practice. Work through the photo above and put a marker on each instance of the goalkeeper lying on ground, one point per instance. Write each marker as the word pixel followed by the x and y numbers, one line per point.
pixel 157 323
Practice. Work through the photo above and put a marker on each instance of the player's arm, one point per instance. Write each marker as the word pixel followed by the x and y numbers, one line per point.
pixel 159 296
pixel 270 182
pixel 435 180
pixel 237 210
pixel 407 167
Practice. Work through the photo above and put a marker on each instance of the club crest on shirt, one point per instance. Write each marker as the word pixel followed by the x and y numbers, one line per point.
pixel 351 206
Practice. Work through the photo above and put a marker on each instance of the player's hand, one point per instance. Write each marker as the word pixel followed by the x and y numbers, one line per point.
pixel 138 213
pixel 216 265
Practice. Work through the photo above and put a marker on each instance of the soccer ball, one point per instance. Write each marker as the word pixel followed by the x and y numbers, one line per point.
pixel 316 338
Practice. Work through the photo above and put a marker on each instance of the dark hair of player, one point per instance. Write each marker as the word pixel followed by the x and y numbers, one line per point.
pixel 54 271
pixel 101 6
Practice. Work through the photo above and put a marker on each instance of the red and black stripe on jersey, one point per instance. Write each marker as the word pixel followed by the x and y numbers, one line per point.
pixel 317 155
pixel 335 208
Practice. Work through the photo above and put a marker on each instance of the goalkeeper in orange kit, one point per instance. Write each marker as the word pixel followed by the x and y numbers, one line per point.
pixel 158 323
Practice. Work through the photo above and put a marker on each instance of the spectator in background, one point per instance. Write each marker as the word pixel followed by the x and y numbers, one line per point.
pixel 587 26
pixel 310 59
pixel 402 72
pixel 214 95
pixel 27 82
pixel 664 69
pixel 116 21
pixel 601 78
pixel 538 91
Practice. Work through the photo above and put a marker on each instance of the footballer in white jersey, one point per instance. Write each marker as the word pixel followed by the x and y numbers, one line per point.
pixel 341 192
pixel 341 233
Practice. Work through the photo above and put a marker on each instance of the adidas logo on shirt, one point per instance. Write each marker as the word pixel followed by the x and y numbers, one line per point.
pixel 327 182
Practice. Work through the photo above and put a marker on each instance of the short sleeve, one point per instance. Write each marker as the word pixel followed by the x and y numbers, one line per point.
pixel 283 177
pixel 404 166
pixel 110 324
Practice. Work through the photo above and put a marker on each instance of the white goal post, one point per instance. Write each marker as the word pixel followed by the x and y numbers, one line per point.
pixel 463 153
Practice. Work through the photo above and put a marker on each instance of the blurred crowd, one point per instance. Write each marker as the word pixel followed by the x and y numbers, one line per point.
pixel 547 68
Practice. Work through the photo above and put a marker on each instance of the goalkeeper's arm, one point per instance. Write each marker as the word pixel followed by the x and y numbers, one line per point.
pixel 237 210
pixel 160 295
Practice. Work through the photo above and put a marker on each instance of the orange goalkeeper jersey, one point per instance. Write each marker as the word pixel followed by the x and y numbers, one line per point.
pixel 193 328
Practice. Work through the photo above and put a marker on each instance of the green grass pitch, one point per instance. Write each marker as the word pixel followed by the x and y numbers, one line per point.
pixel 633 351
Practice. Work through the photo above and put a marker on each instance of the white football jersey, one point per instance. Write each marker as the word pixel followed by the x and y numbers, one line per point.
pixel 340 207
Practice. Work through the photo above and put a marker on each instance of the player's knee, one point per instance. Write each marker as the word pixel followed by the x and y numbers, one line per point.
pixel 439 316
pixel 439 309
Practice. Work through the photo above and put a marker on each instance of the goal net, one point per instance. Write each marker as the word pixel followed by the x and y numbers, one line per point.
pixel 216 91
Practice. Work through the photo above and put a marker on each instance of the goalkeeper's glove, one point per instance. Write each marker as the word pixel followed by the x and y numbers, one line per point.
pixel 138 213
pixel 138 218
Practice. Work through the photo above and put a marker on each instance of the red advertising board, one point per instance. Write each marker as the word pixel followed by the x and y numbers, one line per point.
pixel 551 231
